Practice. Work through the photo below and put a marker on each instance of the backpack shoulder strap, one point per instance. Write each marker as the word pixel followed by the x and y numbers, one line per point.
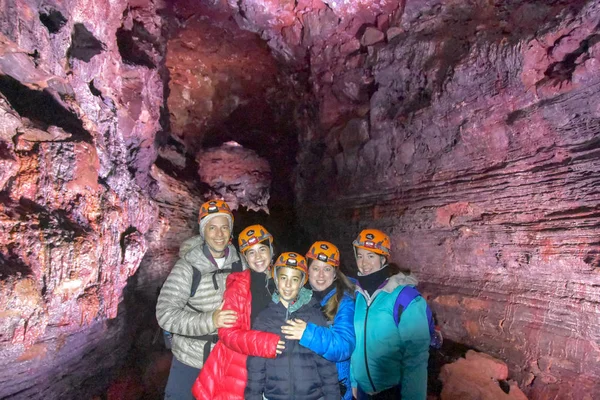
pixel 406 295
pixel 237 266
pixel 196 277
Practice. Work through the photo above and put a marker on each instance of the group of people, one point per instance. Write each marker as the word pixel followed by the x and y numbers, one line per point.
pixel 290 327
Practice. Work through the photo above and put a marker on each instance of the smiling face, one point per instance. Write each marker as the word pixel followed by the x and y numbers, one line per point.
pixel 289 283
pixel 258 257
pixel 216 235
pixel 368 262
pixel 320 275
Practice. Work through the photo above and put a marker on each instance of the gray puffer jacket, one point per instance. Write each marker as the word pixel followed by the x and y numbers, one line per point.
pixel 173 312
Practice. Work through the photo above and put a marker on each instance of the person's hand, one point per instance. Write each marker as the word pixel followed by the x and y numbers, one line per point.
pixel 294 329
pixel 355 393
pixel 224 318
pixel 280 347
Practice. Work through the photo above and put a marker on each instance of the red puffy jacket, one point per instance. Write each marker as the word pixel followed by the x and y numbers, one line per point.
pixel 224 375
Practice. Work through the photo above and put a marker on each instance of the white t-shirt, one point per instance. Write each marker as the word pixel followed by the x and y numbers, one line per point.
pixel 220 262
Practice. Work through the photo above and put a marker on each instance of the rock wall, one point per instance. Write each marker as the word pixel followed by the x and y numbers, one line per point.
pixel 231 119
pixel 81 93
pixel 469 132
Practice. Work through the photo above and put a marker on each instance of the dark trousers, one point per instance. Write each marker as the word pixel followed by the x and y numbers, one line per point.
pixel 181 380
pixel 388 394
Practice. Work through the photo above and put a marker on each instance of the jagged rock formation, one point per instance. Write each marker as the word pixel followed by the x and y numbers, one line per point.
pixel 478 377
pixel 467 130
pixel 237 174
pixel 81 92
pixel 83 118
pixel 225 87
pixel 475 146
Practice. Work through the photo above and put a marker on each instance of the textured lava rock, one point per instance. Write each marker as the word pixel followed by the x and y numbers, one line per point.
pixel 236 173
pixel 225 86
pixel 217 72
pixel 478 377
pixel 78 117
pixel 467 130
pixel 471 137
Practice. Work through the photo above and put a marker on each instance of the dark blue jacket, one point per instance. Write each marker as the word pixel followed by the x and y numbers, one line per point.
pixel 336 342
pixel 297 373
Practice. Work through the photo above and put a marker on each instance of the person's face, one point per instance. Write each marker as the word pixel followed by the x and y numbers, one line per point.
pixel 258 257
pixel 289 282
pixel 368 262
pixel 320 275
pixel 216 235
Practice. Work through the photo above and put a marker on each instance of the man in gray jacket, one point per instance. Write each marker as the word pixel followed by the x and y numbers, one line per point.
pixel 193 318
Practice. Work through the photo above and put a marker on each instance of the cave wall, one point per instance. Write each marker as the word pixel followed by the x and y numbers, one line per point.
pixel 469 132
pixel 230 132
pixel 109 143
pixel 81 91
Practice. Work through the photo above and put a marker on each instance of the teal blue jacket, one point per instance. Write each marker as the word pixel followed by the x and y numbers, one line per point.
pixel 387 355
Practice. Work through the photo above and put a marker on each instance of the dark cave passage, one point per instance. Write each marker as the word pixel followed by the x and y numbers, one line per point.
pixel 467 131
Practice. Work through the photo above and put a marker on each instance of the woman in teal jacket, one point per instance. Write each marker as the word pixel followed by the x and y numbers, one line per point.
pixel 390 359
pixel 336 294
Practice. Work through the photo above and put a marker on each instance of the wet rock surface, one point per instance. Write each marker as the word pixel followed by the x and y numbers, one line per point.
pixel 477 151
pixel 78 125
pixel 478 376
pixel 466 130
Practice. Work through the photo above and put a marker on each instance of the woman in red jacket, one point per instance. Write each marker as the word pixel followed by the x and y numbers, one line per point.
pixel 224 374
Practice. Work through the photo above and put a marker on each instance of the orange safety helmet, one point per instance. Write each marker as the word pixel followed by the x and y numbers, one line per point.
pixel 326 252
pixel 252 235
pixel 373 240
pixel 213 207
pixel 291 260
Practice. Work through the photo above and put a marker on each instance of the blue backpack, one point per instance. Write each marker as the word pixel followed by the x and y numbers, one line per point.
pixel 406 295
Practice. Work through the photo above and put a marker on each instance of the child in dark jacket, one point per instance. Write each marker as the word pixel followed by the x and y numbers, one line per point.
pixel 297 373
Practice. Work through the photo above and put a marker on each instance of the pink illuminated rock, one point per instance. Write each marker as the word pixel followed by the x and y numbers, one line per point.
pixel 393 32
pixel 372 36
pixel 488 365
pixel 216 70
pixel 237 174
pixel 479 160
pixel 466 130
pixel 476 378
pixel 81 96
pixel 24 314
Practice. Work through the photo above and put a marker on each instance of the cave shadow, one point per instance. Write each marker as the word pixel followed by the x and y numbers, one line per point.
pixel 449 352
pixel 42 108
pixel 145 364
